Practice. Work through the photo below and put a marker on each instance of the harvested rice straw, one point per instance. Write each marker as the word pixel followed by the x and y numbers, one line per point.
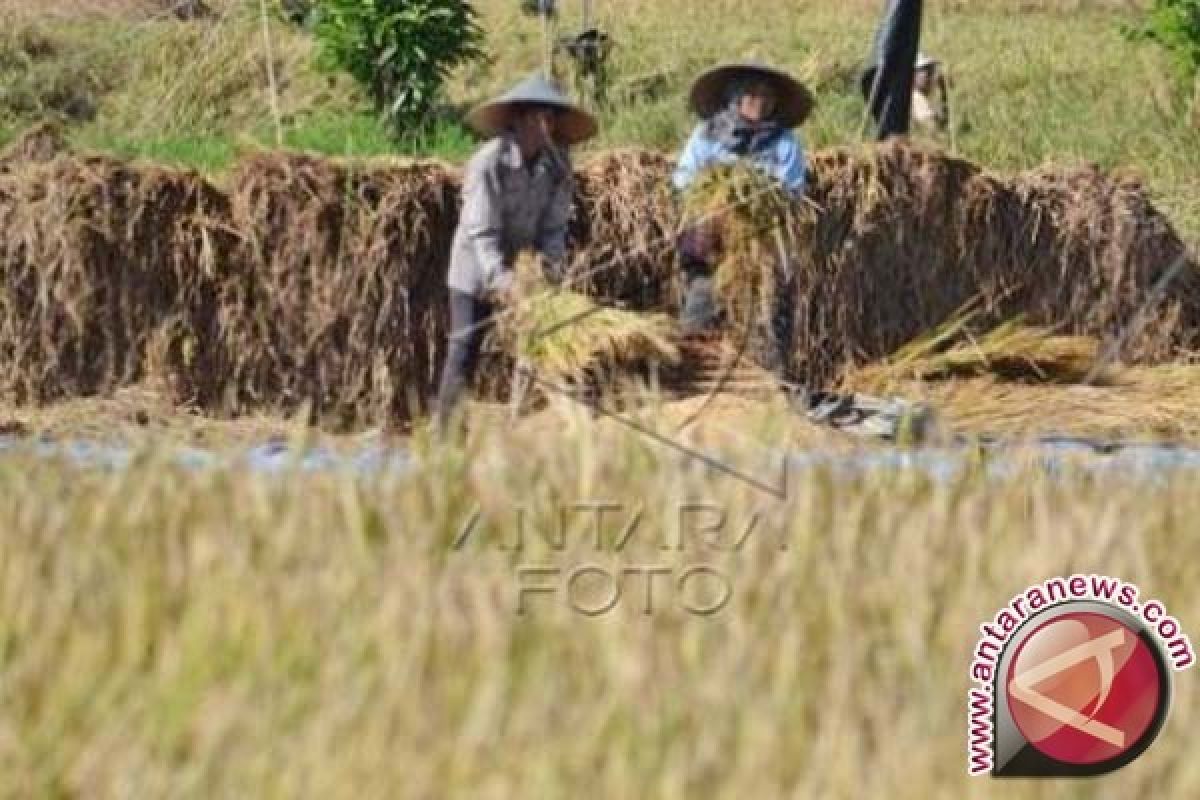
pixel 1138 403
pixel 757 221
pixel 1011 351
pixel 318 283
pixel 340 302
pixel 624 223
pixel 564 335
pixel 39 144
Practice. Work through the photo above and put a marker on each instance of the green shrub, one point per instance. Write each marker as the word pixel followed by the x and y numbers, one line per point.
pixel 1175 24
pixel 401 51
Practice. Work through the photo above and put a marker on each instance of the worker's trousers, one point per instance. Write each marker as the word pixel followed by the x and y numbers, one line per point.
pixel 700 311
pixel 470 320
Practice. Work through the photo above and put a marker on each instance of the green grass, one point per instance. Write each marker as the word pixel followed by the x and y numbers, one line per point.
pixel 448 139
pixel 351 134
pixel 205 153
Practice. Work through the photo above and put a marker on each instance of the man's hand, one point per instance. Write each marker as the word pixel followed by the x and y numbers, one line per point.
pixel 553 271
pixel 502 287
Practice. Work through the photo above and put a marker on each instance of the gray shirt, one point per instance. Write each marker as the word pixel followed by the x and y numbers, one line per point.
pixel 509 206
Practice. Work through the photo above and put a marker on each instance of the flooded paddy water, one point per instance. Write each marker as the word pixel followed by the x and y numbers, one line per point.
pixel 383 457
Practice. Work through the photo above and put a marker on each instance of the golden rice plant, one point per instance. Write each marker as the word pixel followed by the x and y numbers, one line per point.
pixel 756 222
pixel 564 334
pixel 1012 350
pixel 170 633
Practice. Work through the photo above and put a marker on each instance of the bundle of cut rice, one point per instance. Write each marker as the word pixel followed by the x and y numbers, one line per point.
pixel 566 335
pixel 761 231
pixel 1011 351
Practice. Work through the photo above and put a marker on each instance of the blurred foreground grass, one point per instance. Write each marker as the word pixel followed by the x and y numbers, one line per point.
pixel 171 634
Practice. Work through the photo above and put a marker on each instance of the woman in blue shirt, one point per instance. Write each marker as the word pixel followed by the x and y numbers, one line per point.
pixel 748 112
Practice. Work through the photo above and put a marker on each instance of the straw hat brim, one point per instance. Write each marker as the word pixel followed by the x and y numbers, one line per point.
pixel 710 92
pixel 574 125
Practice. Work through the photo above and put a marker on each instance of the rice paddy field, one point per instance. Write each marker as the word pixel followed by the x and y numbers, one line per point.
pixel 235 563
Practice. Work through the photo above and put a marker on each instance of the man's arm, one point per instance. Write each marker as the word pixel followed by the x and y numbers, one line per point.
pixel 791 165
pixel 692 161
pixel 483 218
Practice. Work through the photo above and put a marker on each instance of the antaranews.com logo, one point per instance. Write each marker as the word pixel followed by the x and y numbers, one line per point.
pixel 1072 679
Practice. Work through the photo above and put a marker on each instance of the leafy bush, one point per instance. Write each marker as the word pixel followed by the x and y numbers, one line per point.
pixel 1175 24
pixel 401 51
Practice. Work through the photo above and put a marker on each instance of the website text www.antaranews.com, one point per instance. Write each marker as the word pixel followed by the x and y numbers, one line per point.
pixel 996 634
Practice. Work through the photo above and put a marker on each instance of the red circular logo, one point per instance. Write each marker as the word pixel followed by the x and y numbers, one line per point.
pixel 1084 688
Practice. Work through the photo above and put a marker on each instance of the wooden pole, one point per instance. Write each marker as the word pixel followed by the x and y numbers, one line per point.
pixel 1196 103
pixel 272 85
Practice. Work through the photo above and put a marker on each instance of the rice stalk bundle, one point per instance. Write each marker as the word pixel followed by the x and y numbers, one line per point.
pixel 105 270
pixel 1012 351
pixel 1016 351
pixel 762 233
pixel 567 336
pixel 340 302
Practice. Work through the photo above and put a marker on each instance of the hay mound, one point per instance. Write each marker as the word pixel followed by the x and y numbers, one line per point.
pixel 39 144
pixel 907 236
pixel 567 337
pixel 100 263
pixel 1013 352
pixel 338 299
pixel 314 283
pixel 623 231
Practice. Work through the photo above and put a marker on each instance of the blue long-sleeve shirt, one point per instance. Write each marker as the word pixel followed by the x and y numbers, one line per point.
pixel 785 159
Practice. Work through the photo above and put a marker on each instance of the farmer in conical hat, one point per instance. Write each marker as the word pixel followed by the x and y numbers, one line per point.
pixel 748 112
pixel 516 196
pixel 928 109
